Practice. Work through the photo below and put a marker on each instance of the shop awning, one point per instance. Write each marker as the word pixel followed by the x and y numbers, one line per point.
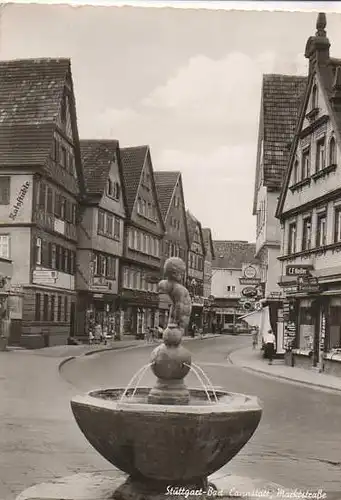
pixel 258 318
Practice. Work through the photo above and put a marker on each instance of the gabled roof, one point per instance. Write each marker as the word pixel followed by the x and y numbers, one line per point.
pixel 97 156
pixel 233 254
pixel 280 103
pixel 207 235
pixel 30 96
pixel 165 185
pixel 329 76
pixel 133 160
pixel 192 224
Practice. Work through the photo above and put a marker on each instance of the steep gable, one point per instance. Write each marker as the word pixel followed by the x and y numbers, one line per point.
pixel 32 93
pixel 166 183
pixel 102 165
pixel 207 235
pixel 193 227
pixel 142 199
pixel 280 103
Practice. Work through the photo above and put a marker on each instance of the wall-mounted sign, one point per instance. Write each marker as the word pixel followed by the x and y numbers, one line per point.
pixel 44 277
pixel 308 284
pixel 19 200
pixel 249 281
pixel 298 270
pixel 249 292
pixel 250 272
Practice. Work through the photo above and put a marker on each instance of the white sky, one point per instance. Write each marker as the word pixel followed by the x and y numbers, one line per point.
pixel 186 82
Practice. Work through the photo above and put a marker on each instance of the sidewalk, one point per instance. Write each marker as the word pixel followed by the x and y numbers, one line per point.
pixel 253 360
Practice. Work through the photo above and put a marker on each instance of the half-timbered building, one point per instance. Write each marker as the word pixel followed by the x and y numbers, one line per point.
pixel 40 185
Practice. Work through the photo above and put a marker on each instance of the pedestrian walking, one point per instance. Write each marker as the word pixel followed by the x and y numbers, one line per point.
pixel 148 335
pixel 270 345
pixel 91 337
pixel 254 333
pixel 98 333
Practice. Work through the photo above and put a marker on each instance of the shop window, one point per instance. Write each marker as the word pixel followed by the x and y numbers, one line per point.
pixel 52 308
pixel 321 232
pixel 66 304
pixel 59 308
pixel 45 307
pixel 37 315
pixel 306 316
pixel 334 327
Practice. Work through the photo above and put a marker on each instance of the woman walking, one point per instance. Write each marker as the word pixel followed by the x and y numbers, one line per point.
pixel 270 345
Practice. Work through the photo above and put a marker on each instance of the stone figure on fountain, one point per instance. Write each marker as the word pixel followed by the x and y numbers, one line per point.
pixel 171 362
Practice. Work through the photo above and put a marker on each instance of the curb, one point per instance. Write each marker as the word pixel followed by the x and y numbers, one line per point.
pixel 119 348
pixel 289 379
pixel 281 377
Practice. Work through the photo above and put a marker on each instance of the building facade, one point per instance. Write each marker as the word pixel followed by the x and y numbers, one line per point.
pixel 100 238
pixel 41 183
pixel 144 230
pixel 195 269
pixel 208 297
pixel 234 270
pixel 175 241
pixel 309 211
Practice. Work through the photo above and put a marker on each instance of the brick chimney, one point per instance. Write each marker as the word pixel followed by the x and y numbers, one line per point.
pixel 317 48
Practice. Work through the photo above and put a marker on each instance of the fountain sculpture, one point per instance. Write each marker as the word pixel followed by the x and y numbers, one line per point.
pixel 167 436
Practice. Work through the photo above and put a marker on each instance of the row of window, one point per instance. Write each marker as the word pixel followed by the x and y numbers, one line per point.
pixel 317 237
pixel 53 202
pixel 136 280
pixel 108 225
pixel 105 265
pixel 54 256
pixel 51 308
pixel 195 261
pixel 324 157
pixel 146 208
pixel 175 223
pixel 142 242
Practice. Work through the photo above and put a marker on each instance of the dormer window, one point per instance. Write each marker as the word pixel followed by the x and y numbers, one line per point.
pixel 332 152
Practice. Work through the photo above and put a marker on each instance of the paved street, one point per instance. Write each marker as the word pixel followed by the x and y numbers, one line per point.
pixel 297 443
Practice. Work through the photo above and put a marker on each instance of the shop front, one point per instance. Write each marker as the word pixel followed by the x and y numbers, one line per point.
pixel 139 311
pixel 97 309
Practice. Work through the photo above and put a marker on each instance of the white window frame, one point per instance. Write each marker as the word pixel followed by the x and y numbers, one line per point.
pixel 4 246
pixel 38 251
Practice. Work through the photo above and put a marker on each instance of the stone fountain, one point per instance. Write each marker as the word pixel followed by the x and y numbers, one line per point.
pixel 167 438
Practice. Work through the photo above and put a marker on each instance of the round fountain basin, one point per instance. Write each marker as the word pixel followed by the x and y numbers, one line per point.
pixel 169 443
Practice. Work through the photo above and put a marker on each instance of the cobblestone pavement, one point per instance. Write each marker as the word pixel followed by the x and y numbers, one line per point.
pixel 39 440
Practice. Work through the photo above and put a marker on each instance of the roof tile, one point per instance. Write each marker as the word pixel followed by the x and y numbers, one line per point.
pixel 133 159
pixel 165 184
pixel 233 254
pixel 97 156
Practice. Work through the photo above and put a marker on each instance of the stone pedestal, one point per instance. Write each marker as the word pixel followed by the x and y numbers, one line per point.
pixel 97 486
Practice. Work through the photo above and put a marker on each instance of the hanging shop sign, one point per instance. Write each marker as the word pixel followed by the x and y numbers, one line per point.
pixel 250 272
pixel 298 270
pixel 249 281
pixel 249 292
pixel 308 284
